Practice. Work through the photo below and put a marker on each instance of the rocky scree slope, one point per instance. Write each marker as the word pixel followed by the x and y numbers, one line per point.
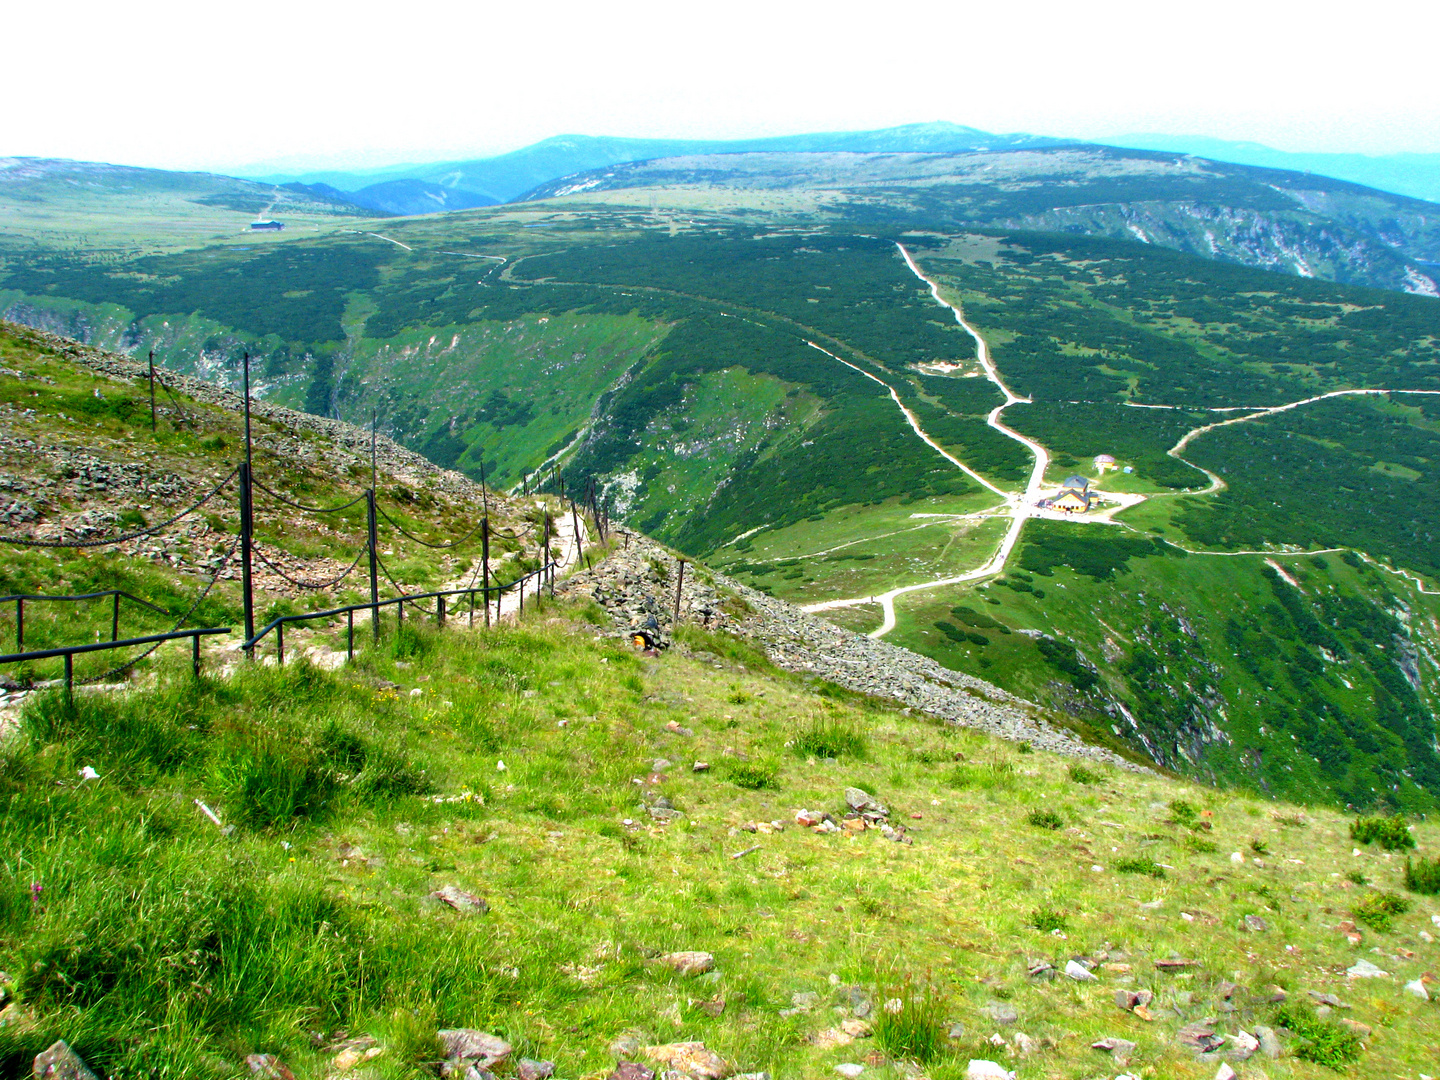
pixel 637 587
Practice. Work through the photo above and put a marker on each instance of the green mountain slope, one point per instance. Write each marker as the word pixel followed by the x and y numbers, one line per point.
pixel 1308 225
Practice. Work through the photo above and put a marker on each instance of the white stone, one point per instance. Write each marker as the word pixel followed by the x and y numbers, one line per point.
pixel 1078 972
pixel 850 1069
pixel 1417 988
pixel 1237 858
pixel 1364 969
pixel 979 1069
pixel 1225 1072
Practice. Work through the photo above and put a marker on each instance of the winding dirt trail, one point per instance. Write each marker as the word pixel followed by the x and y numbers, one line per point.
pixel 1019 505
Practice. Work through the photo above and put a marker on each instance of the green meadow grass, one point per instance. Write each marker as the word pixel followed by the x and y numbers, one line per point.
pixel 157 944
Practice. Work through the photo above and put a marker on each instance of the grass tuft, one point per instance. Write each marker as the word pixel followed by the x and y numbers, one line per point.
pixel 1045 819
pixel 1081 775
pixel 829 737
pixel 910 1025
pixel 1139 864
pixel 1047 920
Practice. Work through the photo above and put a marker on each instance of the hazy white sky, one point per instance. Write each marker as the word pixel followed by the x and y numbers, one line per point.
pixel 218 86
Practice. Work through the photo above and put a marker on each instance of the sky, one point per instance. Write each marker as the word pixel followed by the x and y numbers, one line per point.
pixel 300 84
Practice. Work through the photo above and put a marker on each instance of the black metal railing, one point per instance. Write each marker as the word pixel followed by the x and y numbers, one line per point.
pixel 69 651
pixel 542 574
pixel 19 600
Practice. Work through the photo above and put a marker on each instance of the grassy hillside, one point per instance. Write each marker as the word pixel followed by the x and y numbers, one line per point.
pixel 521 767
pixel 82 463
pixel 112 213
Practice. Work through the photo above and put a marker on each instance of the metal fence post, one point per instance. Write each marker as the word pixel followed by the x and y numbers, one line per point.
pixel 440 611
pixel 247 586
pixel 115 619
pixel 350 637
pixel 195 654
pixel 485 565
pixel 247 518
pixel 280 644
pixel 70 679
pixel 152 390
pixel 374 570
pixel 19 624
pixel 679 584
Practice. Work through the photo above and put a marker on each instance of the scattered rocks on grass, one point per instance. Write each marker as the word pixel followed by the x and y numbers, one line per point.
pixel 632 1070
pixel 530 1069
pixel 59 1062
pixel 636 586
pixel 689 963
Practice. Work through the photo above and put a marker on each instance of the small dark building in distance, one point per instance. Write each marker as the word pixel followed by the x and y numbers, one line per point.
pixel 266 226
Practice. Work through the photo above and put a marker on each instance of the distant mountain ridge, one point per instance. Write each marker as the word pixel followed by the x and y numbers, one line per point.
pixel 1415 175
pixel 509 176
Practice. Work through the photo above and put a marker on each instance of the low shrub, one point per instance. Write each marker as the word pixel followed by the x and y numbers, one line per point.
pixel 1139 864
pixel 1423 877
pixel 1045 819
pixel 1081 775
pixel 1355 877
pixel 1322 1042
pixel 1259 847
pixel 1391 833
pixel 830 738
pixel 1378 910
pixel 1183 813
pixel 1199 846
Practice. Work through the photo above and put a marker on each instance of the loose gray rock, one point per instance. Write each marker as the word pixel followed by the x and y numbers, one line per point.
pixel 467 903
pixel 1122 1050
pixel 1364 969
pixel 467 1044
pixel 530 1069
pixel 268 1067
pixel 59 1062
pixel 689 963
pixel 1002 1013
pixel 1269 1042
pixel 632 1070
pixel 1416 988
pixel 1077 971
pixel 1255 924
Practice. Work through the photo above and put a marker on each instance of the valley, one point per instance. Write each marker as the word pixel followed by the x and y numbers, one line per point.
pixel 861 417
